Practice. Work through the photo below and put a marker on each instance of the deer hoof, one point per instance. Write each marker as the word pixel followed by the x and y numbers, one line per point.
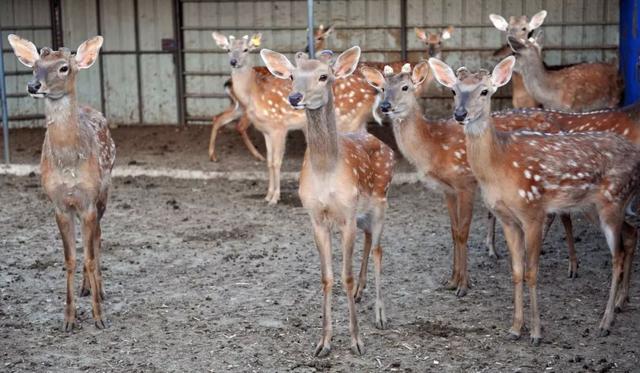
pixel 535 341
pixel 461 292
pixel 357 297
pixel 604 332
pixel 100 324
pixel 84 292
pixel 323 349
pixel 381 318
pixel 511 336
pixel 357 348
pixel 69 325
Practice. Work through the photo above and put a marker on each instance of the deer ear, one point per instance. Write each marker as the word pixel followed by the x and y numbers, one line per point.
pixel 25 50
pixel 442 72
pixel 328 31
pixel 499 22
pixel 536 20
pixel 502 72
pixel 277 64
pixel 420 73
pixel 421 34
pixel 346 62
pixel 221 40
pixel 88 51
pixel 373 77
pixel 446 33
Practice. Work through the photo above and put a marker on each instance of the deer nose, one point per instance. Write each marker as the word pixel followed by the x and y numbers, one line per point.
pixel 295 98
pixel 460 114
pixel 233 62
pixel 385 106
pixel 34 86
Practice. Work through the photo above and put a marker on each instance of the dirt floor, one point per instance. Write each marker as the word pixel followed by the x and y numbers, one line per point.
pixel 203 276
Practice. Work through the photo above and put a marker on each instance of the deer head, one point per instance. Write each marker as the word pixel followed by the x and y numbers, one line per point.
pixel 433 40
pixel 312 78
pixel 320 38
pixel 237 49
pixel 519 27
pixel 397 92
pixel 472 91
pixel 54 72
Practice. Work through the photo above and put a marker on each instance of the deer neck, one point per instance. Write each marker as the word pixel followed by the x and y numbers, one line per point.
pixel 322 136
pixel 483 146
pixel 410 133
pixel 66 141
pixel 537 80
pixel 243 78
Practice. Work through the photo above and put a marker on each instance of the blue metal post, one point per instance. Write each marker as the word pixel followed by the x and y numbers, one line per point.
pixel 5 109
pixel 310 29
pixel 630 49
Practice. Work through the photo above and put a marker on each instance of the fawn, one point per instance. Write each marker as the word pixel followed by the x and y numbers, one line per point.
pixel 236 112
pixel 526 175
pixel 262 98
pixel 576 88
pixel 77 157
pixel 340 172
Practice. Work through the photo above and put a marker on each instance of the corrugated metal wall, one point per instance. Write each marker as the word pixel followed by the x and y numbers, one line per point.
pixel 575 30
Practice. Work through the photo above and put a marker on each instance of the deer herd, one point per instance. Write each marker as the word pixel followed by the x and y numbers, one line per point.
pixel 551 155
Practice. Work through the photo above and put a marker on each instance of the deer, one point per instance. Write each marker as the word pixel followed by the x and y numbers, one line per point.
pixel 433 40
pixel 235 112
pixel 78 154
pixel 437 149
pixel 526 175
pixel 340 172
pixel 519 27
pixel 263 98
pixel 577 88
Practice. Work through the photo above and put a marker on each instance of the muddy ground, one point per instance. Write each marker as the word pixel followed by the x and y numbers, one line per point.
pixel 203 276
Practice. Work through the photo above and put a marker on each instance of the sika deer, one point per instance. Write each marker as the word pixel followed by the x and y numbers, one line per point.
pixel 522 28
pixel 340 172
pixel 77 157
pixel 262 96
pixel 236 112
pixel 526 175
pixel 433 40
pixel 581 87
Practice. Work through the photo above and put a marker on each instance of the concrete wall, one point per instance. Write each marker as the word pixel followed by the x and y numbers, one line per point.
pixel 372 24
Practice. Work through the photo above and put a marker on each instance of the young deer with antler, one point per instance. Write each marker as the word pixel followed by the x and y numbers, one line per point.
pixel 577 88
pixel 235 110
pixel 520 27
pixel 526 175
pixel 340 172
pixel 263 98
pixel 77 157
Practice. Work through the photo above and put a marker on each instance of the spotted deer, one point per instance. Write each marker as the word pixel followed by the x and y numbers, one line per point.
pixel 526 175
pixel 340 173
pixel 433 40
pixel 235 111
pixel 77 157
pixel 519 27
pixel 263 97
pixel 577 88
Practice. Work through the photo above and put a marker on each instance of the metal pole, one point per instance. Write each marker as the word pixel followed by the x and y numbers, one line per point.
pixel 179 62
pixel 403 30
pixel 310 30
pixel 5 109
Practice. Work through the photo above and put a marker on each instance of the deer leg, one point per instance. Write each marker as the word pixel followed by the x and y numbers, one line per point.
pixel 85 289
pixel 67 231
pixel 465 213
pixel 533 242
pixel 490 241
pixel 269 145
pixel 611 226
pixel 629 241
pixel 513 235
pixel 571 244
pixel 97 244
pixel 89 231
pixel 376 232
pixel 348 239
pixel 364 223
pixel 452 207
pixel 322 236
pixel 548 222
pixel 227 116
pixel 279 141
pixel 242 126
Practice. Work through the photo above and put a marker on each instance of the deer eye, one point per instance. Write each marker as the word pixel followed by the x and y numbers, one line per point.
pixel 291 77
pixel 454 92
pixel 484 92
pixel 323 78
pixel 246 50
pixel 64 69
pixel 405 88
pixel 524 29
